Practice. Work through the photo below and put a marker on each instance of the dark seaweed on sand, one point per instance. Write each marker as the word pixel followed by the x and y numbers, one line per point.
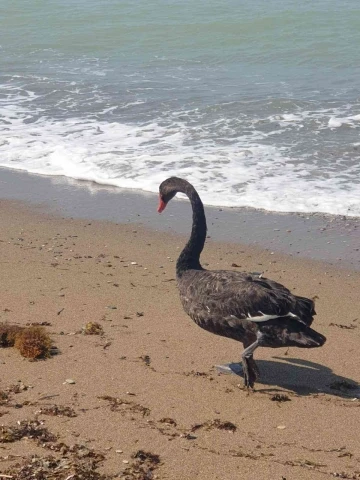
pixel 143 466
pixel 280 397
pixel 58 411
pixel 77 462
pixel 120 405
pixel 218 424
pixel 27 428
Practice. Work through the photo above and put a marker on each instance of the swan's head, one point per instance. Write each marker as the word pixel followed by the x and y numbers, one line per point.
pixel 169 188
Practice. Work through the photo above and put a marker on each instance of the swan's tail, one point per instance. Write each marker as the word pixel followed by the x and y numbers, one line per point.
pixel 307 338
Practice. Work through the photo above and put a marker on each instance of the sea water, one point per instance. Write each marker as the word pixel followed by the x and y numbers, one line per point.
pixel 257 103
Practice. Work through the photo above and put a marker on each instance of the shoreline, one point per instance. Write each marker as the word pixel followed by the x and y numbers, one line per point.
pixel 331 239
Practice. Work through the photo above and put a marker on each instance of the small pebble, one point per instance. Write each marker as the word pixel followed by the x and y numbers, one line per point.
pixel 118 451
pixel 281 427
pixel 70 381
pixel 125 461
pixel 133 263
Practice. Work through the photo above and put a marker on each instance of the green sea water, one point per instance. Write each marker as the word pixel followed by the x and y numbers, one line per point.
pixel 257 103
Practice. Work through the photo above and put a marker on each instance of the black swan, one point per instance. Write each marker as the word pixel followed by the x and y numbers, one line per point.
pixel 245 307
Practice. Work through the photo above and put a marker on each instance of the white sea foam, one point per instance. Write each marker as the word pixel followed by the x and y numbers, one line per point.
pixel 242 172
pixel 351 120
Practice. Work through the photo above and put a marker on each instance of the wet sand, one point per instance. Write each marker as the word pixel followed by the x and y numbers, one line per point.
pixel 333 239
pixel 149 383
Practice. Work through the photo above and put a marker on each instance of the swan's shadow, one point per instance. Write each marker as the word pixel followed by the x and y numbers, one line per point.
pixel 300 376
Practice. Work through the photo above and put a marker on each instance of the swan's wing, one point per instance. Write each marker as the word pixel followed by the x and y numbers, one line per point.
pixel 244 296
pixel 301 308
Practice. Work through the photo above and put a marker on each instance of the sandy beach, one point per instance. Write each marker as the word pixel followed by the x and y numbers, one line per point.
pixel 148 383
pixel 103 375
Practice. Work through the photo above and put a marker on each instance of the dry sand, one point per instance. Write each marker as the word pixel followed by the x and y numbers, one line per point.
pixel 159 365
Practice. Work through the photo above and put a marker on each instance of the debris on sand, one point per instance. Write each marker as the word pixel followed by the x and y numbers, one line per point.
pixel 218 424
pixel 120 405
pixel 57 411
pixel 305 463
pixel 93 328
pixel 8 334
pixel 76 462
pixel 194 373
pixel 65 462
pixel 146 359
pixel 349 476
pixel 4 398
pixel 27 428
pixel 69 381
pixel 340 325
pixel 33 342
pixel 280 397
pixel 168 420
pixel 38 324
pixel 143 466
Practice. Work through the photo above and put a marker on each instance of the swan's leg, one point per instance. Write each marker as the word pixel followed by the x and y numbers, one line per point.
pixel 254 366
pixel 249 365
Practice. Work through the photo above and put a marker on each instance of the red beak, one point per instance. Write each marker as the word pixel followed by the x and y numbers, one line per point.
pixel 162 205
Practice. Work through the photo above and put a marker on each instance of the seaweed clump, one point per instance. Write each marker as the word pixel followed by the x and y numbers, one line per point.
pixel 28 428
pixel 4 397
pixel 120 405
pixel 76 462
pixel 217 424
pixel 93 328
pixel 8 334
pixel 57 411
pixel 280 397
pixel 32 342
pixel 142 468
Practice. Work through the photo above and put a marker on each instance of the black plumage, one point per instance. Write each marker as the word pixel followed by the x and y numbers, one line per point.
pixel 245 307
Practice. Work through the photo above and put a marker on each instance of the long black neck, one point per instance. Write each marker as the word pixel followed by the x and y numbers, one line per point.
pixel 190 256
